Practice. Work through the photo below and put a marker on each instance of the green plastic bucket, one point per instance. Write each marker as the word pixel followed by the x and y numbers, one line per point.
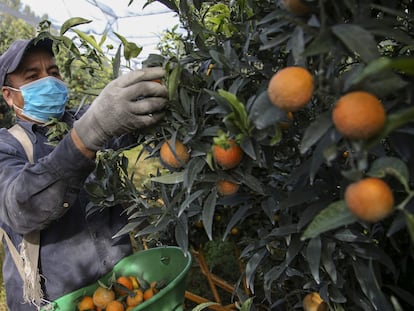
pixel 166 263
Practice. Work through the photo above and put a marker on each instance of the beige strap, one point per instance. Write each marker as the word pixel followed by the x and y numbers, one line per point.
pixel 13 251
pixel 18 132
pixel 27 261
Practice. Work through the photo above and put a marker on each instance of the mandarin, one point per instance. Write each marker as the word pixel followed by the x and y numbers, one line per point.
pixel 314 302
pixel 226 187
pixel 135 298
pixel 115 305
pixel 297 7
pixel 291 88
pixel 227 155
pixel 86 303
pixel 123 285
pixel 369 199
pixel 358 115
pixel 102 296
pixel 148 293
pixel 174 157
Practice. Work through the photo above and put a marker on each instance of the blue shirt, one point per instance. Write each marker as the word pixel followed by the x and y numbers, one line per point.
pixel 76 247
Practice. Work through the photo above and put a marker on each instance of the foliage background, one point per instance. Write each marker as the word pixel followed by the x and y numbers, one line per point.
pixel 296 234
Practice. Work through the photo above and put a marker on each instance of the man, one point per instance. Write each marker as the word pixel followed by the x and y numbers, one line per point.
pixel 76 248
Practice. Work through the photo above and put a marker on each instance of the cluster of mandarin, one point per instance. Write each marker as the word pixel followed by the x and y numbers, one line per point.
pixel 122 294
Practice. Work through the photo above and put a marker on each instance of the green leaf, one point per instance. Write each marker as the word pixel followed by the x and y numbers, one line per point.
pixel 89 39
pixel 116 63
pixel 131 50
pixel 173 82
pixel 194 167
pixel 204 305
pixel 321 44
pixel 392 166
pixel 193 196
pixel 328 262
pixel 297 45
pixel 247 304
pixel 251 181
pixel 315 131
pixel 263 114
pixel 313 256
pixel 394 121
pixel 173 178
pixel 129 227
pixel 409 218
pixel 247 146
pixel 252 265
pixel 209 208
pixel 72 22
pixel 235 219
pixel 181 233
pixel 333 216
pixel 103 38
pixel 357 40
pixel 171 4
pixel 239 114
pixel 374 67
pixel 370 285
pixel 381 64
pixel 404 64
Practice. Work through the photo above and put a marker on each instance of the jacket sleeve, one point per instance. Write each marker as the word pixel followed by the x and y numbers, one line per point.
pixel 33 195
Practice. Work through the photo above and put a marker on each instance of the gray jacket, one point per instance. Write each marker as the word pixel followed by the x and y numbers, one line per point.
pixel 76 247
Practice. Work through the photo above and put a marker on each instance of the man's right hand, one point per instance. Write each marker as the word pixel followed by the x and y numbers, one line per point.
pixel 131 102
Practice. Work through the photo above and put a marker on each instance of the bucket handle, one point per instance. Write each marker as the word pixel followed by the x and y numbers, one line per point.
pixel 165 260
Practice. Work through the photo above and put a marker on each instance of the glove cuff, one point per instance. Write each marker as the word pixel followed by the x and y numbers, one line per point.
pixel 87 129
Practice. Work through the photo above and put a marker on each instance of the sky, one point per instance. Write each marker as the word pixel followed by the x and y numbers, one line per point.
pixel 142 26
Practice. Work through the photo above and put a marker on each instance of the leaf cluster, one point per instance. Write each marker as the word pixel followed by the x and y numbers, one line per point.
pixel 297 235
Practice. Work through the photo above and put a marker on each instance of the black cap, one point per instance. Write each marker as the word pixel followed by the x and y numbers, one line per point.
pixel 11 58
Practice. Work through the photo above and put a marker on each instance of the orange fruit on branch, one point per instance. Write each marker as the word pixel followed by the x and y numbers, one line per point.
pixel 285 124
pixel 228 154
pixel 174 156
pixel 297 7
pixel 86 303
pixel 234 231
pixel 102 296
pixel 314 302
pixel 369 199
pixel 226 187
pixel 358 115
pixel 291 88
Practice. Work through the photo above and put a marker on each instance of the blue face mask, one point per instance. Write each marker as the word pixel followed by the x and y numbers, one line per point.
pixel 43 99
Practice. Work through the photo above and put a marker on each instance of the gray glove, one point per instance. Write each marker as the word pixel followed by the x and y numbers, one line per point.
pixel 132 101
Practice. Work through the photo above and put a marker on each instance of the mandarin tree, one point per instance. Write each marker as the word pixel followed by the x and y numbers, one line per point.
pixel 296 233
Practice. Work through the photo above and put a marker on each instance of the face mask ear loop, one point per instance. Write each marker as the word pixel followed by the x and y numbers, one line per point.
pixel 13 89
pixel 23 114
pixel 17 108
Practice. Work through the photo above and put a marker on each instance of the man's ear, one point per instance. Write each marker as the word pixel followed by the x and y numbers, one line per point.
pixel 7 95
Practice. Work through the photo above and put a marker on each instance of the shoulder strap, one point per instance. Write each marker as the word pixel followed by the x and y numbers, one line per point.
pixel 19 133
pixel 28 259
pixel 13 251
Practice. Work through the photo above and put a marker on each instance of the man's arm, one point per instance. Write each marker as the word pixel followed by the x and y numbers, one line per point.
pixel 80 145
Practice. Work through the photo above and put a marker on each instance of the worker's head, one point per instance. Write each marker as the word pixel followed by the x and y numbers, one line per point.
pixel 31 81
